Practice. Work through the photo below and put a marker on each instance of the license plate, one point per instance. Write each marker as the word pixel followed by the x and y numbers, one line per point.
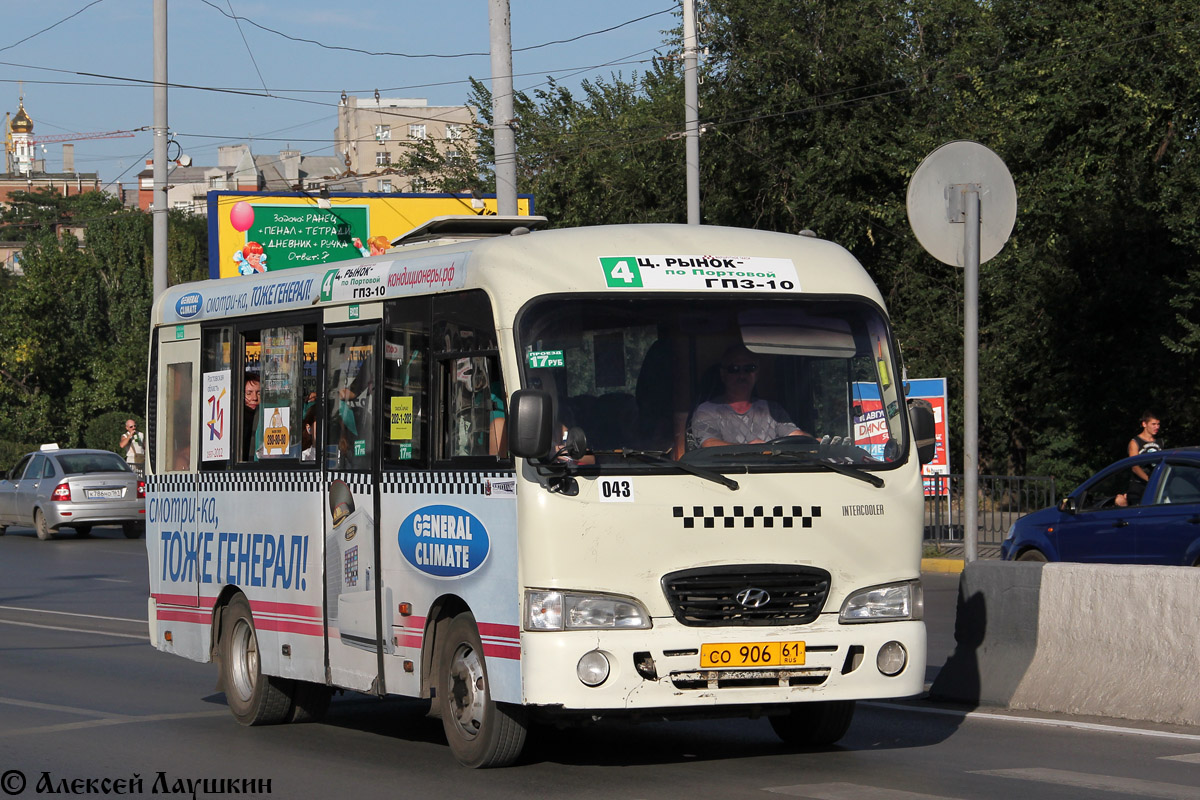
pixel 752 654
pixel 103 494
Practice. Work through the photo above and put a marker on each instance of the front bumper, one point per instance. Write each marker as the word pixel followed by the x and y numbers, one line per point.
pixel 840 664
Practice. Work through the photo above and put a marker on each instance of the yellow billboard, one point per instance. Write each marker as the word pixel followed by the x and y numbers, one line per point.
pixel 251 232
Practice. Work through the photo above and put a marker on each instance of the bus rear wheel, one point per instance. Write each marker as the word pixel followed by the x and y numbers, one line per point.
pixel 480 731
pixel 814 724
pixel 254 698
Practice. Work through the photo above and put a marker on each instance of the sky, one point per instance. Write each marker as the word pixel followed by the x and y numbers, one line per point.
pixel 86 66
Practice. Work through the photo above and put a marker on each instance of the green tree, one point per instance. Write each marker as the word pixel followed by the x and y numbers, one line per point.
pixel 74 330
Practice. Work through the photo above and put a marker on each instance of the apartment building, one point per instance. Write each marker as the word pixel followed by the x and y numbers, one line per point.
pixel 373 134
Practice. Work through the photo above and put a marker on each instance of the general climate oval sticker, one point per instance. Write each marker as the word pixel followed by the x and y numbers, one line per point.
pixel 444 541
pixel 188 306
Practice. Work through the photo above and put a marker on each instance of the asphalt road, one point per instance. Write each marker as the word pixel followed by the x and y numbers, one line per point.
pixel 83 696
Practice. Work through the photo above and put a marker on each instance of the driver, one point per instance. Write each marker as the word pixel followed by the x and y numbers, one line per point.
pixel 736 416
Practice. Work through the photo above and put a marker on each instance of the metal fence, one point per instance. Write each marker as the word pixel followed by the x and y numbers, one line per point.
pixel 1002 499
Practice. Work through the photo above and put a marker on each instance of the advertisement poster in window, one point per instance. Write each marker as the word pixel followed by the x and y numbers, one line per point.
pixel 870 427
pixel 215 433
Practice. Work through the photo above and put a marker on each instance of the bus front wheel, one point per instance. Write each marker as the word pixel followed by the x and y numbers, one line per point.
pixel 481 732
pixel 254 698
pixel 814 724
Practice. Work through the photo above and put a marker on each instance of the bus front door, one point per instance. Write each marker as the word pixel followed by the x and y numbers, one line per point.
pixel 352 593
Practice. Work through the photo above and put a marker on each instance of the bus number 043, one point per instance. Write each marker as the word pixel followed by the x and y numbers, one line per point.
pixel 616 490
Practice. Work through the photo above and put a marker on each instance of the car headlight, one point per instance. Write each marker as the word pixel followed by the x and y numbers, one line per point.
pixel 1012 531
pixel 547 610
pixel 885 603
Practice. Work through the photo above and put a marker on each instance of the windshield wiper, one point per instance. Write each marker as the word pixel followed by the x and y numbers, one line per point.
pixel 658 458
pixel 817 460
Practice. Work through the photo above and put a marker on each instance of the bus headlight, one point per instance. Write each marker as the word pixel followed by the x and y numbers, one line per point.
pixel 547 610
pixel 886 603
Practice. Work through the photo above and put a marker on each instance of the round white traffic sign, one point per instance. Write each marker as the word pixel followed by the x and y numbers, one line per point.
pixel 934 210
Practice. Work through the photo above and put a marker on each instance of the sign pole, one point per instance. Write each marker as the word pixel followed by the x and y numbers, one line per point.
pixel 971 374
pixel 946 191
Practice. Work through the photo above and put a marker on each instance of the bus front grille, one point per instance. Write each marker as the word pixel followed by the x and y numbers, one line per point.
pixel 755 594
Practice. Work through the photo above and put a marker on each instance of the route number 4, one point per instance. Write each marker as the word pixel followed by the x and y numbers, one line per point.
pixel 621 272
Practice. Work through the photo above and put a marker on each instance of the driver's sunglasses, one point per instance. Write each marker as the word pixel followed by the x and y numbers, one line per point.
pixel 734 369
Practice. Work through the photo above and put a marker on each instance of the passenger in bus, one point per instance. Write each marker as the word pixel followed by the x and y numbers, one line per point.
pixel 308 437
pixel 251 397
pixel 737 415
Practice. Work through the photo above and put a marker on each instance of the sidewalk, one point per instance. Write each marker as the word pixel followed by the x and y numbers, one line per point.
pixel 953 557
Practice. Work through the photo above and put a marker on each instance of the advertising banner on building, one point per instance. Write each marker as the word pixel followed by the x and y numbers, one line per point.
pixel 870 426
pixel 251 232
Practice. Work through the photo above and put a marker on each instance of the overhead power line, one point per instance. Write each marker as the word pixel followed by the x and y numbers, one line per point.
pixel 361 51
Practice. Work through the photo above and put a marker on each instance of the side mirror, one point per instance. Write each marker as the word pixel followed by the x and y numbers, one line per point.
pixel 575 445
pixel 530 417
pixel 1068 505
pixel 920 414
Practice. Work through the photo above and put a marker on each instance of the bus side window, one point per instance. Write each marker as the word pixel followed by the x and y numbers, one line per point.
pixel 277 386
pixel 471 396
pixel 178 419
pixel 474 407
pixel 405 381
pixel 216 370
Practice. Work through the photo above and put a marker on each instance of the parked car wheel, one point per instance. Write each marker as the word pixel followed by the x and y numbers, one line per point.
pixel 1033 555
pixel 40 525
pixel 132 530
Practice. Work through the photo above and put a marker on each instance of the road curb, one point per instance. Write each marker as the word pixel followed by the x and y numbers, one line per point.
pixel 942 565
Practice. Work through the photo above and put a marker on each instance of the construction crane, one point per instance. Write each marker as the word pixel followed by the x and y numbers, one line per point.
pixel 20 141
pixel 75 137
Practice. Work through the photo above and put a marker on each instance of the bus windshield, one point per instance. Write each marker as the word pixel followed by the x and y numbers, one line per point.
pixel 735 382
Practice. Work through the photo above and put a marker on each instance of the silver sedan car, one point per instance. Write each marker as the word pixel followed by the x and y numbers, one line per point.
pixel 75 488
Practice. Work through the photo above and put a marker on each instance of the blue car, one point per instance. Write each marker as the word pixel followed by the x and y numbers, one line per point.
pixel 1140 510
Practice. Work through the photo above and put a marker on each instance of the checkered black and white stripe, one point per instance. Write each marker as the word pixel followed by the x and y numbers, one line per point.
pixel 174 483
pixel 306 481
pixel 184 482
pixel 310 481
pixel 441 482
pixel 357 481
pixel 744 517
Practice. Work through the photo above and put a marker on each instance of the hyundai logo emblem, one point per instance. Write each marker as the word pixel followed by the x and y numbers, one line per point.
pixel 752 597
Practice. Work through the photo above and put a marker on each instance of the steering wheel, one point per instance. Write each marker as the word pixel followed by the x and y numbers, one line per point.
pixel 799 438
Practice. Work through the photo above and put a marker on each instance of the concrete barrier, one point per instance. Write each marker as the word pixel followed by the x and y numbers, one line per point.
pixel 1098 640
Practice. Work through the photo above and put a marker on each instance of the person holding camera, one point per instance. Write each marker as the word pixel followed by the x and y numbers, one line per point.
pixel 133 442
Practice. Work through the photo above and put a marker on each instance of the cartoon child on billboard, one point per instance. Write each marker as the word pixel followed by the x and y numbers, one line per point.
pixel 251 259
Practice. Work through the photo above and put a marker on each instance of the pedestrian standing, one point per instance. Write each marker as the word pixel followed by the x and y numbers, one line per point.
pixel 1146 441
pixel 133 442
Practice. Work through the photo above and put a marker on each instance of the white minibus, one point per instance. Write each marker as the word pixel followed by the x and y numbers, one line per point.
pixel 535 474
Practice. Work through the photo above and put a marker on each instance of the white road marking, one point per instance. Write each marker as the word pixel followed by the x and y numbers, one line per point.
pixel 12 701
pixel 1053 723
pixel 1098 783
pixel 108 722
pixel 848 791
pixel 68 613
pixel 1190 758
pixel 142 637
